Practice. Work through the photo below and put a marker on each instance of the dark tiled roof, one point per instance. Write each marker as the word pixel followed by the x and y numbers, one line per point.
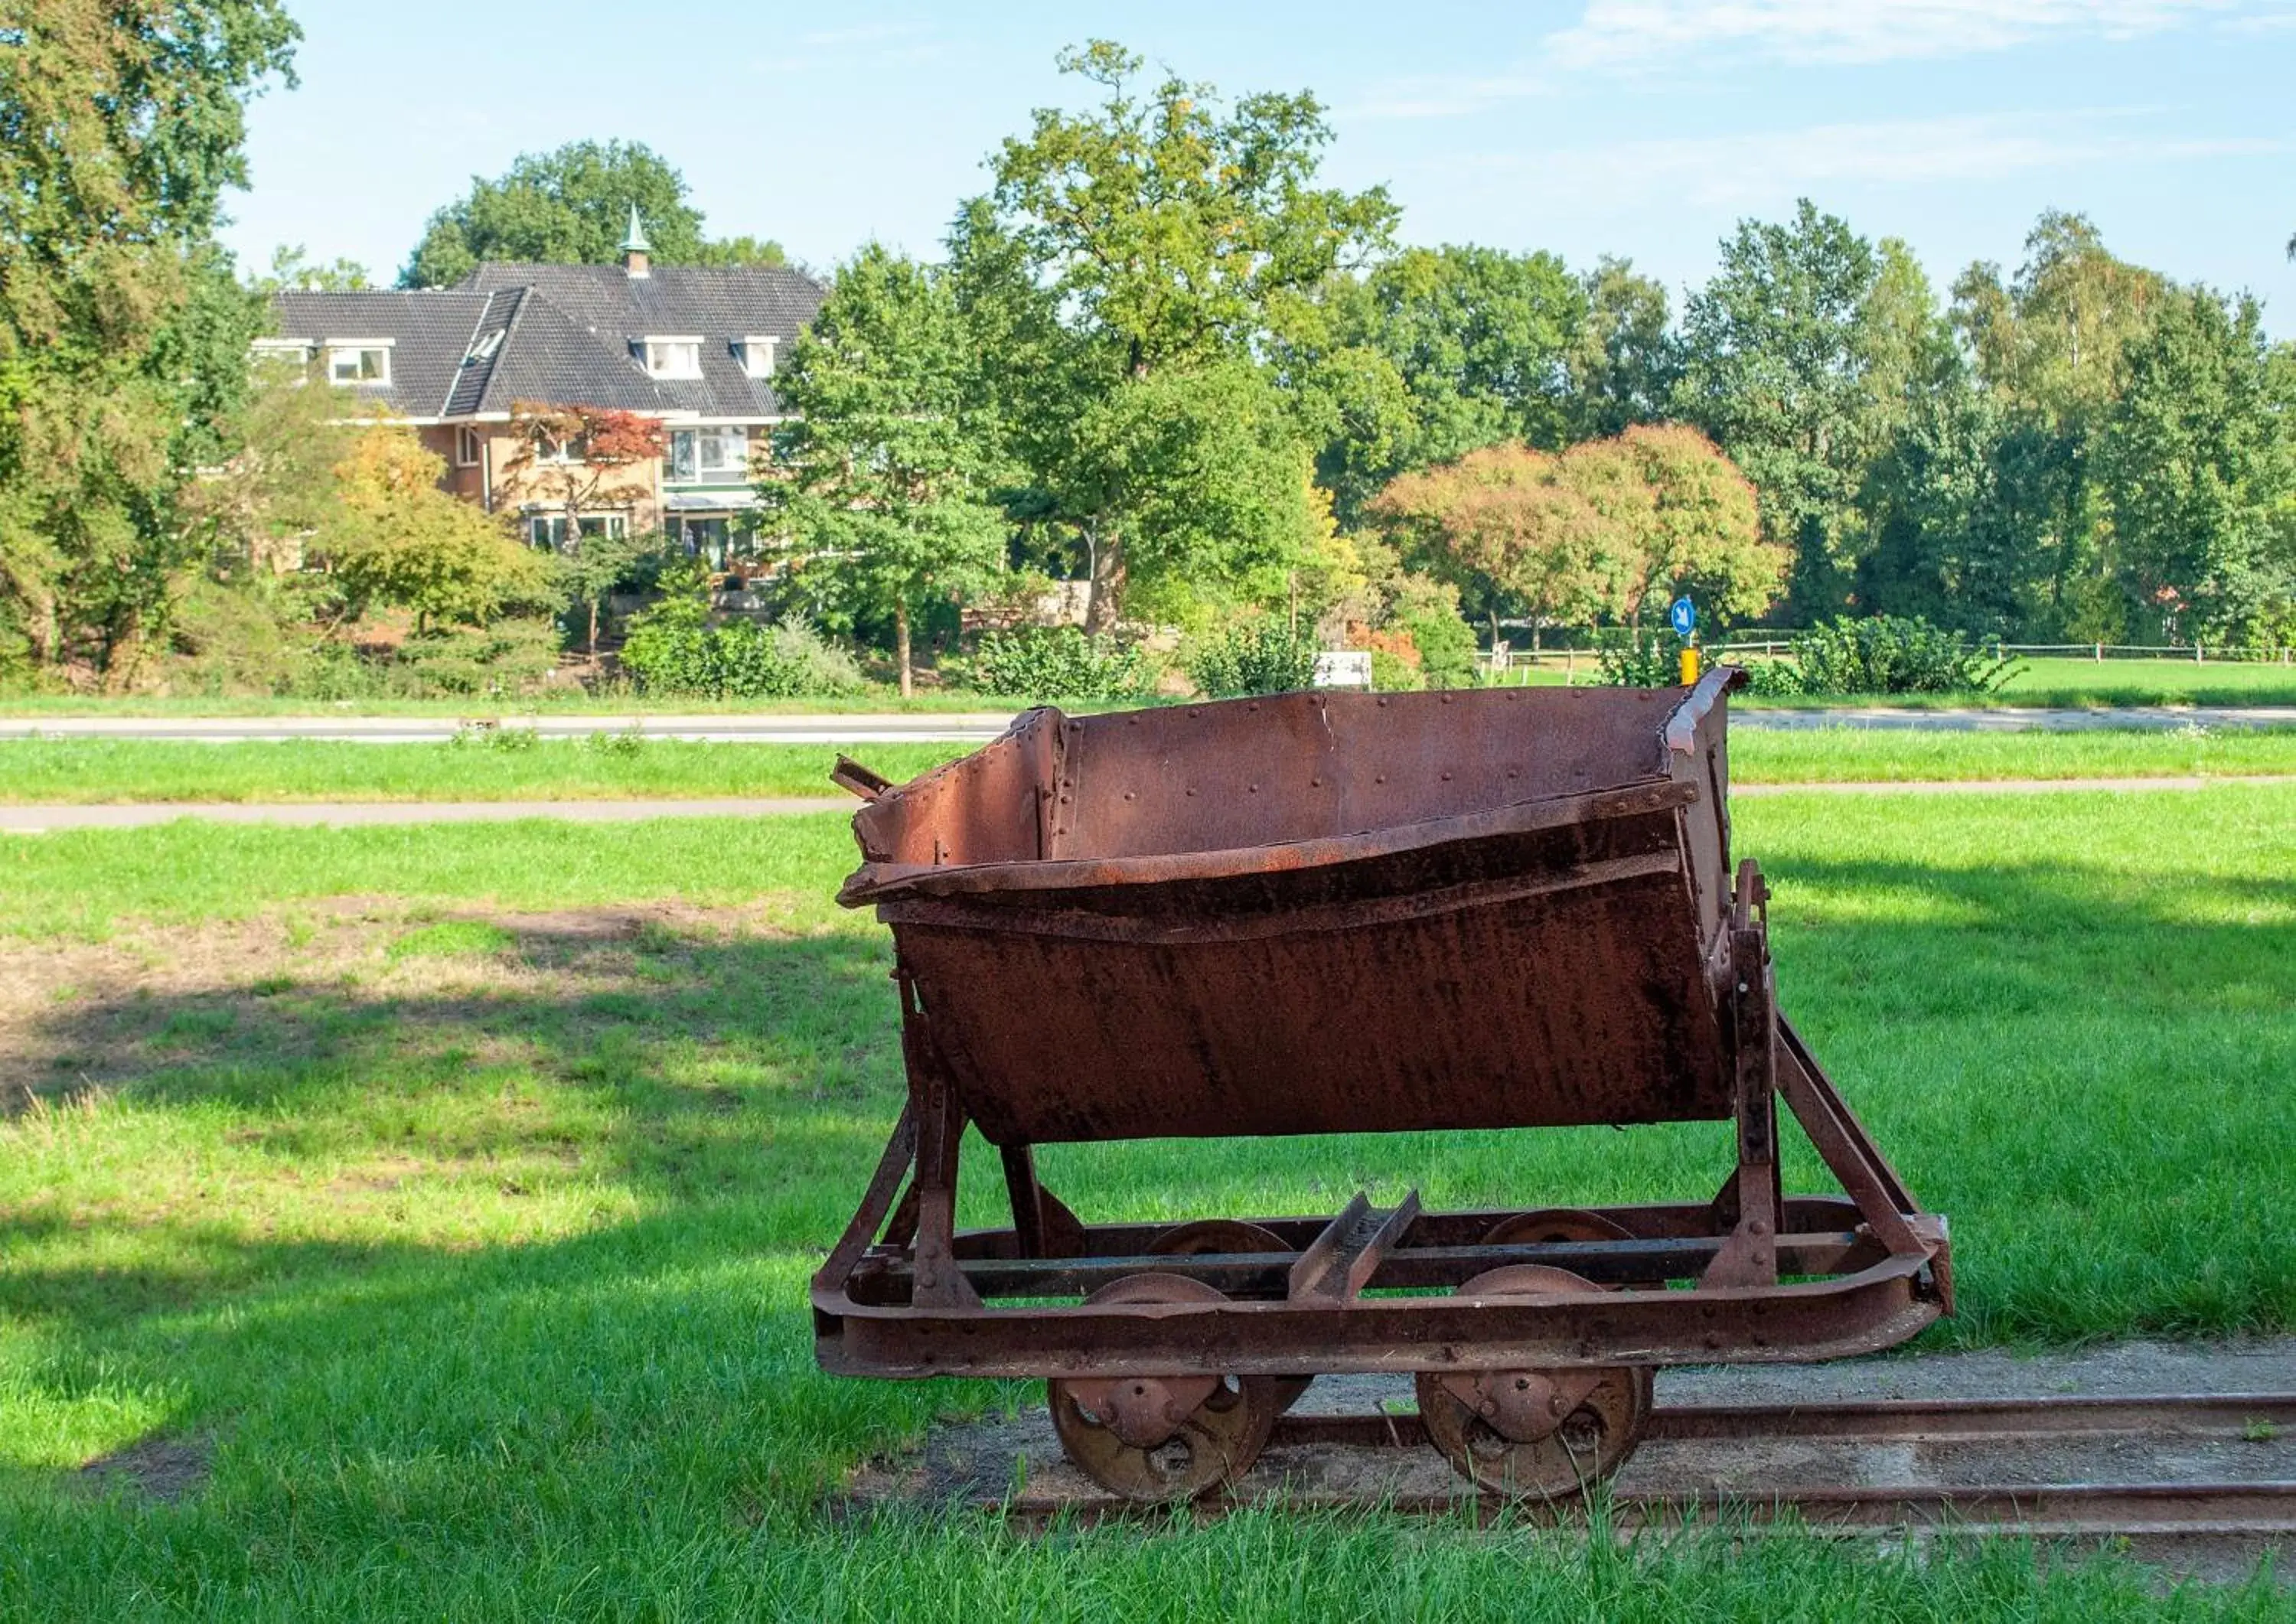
pixel 721 306
pixel 570 335
pixel 429 329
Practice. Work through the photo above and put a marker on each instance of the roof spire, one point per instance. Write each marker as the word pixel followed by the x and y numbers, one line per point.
pixel 635 249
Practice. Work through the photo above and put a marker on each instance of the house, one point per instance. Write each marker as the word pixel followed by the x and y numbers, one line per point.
pixel 695 347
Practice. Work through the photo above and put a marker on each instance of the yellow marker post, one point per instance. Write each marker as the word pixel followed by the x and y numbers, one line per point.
pixel 1689 665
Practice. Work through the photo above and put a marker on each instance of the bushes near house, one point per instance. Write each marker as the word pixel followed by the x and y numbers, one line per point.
pixel 673 648
pixel 1887 654
pixel 1040 663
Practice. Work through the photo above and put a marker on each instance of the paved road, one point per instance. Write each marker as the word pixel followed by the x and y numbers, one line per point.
pixel 39 819
pixel 975 727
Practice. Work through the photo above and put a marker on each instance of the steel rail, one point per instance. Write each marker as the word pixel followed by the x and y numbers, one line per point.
pixel 1879 1420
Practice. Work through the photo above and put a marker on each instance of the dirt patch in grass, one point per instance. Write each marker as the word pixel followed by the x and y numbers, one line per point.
pixel 157 1468
pixel 81 1017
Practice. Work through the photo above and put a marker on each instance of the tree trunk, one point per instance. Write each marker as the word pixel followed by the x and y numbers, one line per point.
pixel 901 647
pixel 593 632
pixel 1107 600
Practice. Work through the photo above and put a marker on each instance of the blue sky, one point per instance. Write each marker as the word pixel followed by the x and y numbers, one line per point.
pixel 1642 128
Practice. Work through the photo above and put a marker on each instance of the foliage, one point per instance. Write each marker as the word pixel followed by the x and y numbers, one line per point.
pixel 1594 531
pixel 577 457
pixel 1259 655
pixel 568 207
pixel 502 658
pixel 1123 278
pixel 405 542
pixel 882 471
pixel 1444 642
pixel 2198 466
pixel 672 648
pixel 1885 654
pixel 1041 663
pixel 1628 659
pixel 1624 361
pixel 122 332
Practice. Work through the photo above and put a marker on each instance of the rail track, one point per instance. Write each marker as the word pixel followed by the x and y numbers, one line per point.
pixel 2238 1516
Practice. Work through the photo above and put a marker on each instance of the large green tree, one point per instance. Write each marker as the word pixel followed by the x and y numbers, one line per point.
pixel 1133 262
pixel 572 207
pixel 1433 354
pixel 1785 354
pixel 2197 464
pixel 881 476
pixel 1623 362
pixel 123 334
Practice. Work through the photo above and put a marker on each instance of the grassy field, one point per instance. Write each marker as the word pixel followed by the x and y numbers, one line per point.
pixel 415 1221
pixel 518 766
pixel 2040 681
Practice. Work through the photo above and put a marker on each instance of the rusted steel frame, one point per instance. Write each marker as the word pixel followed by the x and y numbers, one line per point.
pixel 940 1119
pixel 882 882
pixel 1339 1262
pixel 1876 1308
pixel 1756 1200
pixel 1462 1226
pixel 876 1200
pixel 1271 1275
pixel 1082 925
pixel 851 775
pixel 1842 1140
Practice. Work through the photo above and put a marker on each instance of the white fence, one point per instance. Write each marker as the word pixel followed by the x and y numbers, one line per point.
pixel 1502 665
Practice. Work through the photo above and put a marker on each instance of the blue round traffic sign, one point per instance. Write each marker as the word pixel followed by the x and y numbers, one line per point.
pixel 1683 615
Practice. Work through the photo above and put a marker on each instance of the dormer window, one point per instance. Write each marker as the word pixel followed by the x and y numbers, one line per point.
pixel 758 357
pixel 484 349
pixel 358 360
pixel 673 358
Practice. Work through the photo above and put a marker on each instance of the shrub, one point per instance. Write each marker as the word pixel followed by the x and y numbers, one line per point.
pixel 506 658
pixel 672 649
pixel 1886 655
pixel 1261 656
pixel 1446 646
pixel 1390 673
pixel 1629 661
pixel 1048 662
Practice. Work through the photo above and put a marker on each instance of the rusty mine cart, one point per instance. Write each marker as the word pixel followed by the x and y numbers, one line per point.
pixel 1339 914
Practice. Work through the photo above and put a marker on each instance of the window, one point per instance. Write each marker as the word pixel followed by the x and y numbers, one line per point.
pixel 758 357
pixel 488 342
pixel 561 454
pixel 469 447
pixel 359 361
pixel 549 529
pixel 673 358
pixel 708 457
pixel 293 352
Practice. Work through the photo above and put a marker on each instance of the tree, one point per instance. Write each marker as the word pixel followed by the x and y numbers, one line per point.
pixel 2198 466
pixel 1158 235
pixel 883 470
pixel 742 251
pixel 1623 363
pixel 405 542
pixel 574 455
pixel 1777 355
pixel 1474 341
pixel 568 207
pixel 120 128
pixel 2050 349
pixel 1594 532
pixel 291 267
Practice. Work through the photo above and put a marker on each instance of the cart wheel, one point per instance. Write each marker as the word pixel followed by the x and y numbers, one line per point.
pixel 1543 1433
pixel 1162 1438
pixel 1201 1235
pixel 1552 1224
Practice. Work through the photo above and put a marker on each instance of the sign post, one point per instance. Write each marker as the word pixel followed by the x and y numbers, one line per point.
pixel 1682 614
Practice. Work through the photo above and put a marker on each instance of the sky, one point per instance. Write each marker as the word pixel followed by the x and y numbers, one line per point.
pixel 1644 128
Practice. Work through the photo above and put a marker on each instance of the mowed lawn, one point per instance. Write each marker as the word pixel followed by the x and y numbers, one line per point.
pixel 516 765
pixel 415 1220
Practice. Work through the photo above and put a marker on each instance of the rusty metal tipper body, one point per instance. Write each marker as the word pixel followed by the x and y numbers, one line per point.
pixel 1330 913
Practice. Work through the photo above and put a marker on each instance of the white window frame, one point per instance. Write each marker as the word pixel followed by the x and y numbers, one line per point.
pixel 550 453
pixel 469 447
pixel 655 344
pixel 722 474
pixel 758 355
pixel 337 347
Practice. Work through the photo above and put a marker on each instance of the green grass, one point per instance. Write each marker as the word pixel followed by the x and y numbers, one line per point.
pixel 564 769
pixel 479 1270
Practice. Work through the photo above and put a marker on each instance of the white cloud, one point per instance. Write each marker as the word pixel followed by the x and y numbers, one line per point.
pixel 1758 166
pixel 1632 33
